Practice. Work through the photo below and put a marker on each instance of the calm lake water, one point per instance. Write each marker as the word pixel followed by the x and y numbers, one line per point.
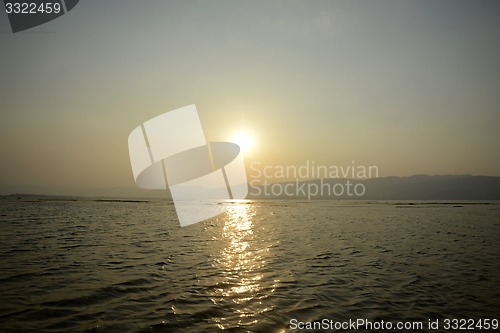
pixel 129 266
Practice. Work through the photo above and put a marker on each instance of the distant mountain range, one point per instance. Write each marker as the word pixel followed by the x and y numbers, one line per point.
pixel 418 187
pixel 464 187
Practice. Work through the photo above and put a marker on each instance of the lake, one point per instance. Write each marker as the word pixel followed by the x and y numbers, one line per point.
pixel 263 266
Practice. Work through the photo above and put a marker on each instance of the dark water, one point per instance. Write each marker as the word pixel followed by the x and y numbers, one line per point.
pixel 129 267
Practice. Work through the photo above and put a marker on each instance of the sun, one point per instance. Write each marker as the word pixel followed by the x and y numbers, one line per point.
pixel 244 139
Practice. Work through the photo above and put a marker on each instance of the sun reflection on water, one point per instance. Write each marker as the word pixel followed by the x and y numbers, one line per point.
pixel 241 262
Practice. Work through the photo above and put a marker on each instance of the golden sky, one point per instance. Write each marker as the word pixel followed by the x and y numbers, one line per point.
pixel 410 86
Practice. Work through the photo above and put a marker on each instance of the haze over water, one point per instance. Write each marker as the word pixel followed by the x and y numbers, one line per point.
pixel 408 86
pixel 128 266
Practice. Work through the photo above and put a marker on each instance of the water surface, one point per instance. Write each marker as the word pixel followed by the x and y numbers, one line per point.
pixel 129 267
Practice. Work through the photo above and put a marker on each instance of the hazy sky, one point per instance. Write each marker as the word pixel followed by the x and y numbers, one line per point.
pixel 410 86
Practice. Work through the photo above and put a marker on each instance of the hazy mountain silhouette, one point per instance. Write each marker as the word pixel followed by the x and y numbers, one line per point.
pixel 418 187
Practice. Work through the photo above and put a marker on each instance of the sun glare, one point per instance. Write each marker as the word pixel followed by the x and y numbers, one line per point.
pixel 243 139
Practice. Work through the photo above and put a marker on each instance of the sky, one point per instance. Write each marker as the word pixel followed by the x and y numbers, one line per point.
pixel 409 86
